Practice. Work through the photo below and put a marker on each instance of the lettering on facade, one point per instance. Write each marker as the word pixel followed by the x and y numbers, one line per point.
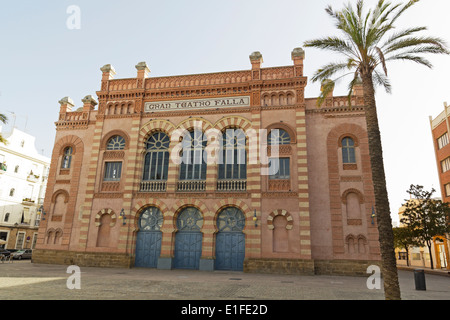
pixel 241 101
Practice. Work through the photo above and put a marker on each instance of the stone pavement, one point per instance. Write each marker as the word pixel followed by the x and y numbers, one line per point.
pixel 23 280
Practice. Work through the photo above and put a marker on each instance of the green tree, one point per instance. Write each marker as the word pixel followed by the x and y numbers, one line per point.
pixel 425 217
pixel 404 239
pixel 369 41
pixel 3 119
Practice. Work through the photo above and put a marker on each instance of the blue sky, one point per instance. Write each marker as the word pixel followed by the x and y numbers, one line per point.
pixel 42 61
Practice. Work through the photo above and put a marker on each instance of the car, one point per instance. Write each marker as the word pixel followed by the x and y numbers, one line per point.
pixel 4 252
pixel 22 254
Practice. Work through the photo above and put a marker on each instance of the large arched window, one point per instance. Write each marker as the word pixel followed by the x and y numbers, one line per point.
pixel 156 162
pixel 193 156
pixel 67 158
pixel 348 150
pixel 278 137
pixel 116 143
pixel 233 159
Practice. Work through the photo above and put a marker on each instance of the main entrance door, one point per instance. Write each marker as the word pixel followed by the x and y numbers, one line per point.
pixel 188 239
pixel 148 240
pixel 230 240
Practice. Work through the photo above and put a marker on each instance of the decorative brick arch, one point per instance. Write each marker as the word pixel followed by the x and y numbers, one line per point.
pixel 141 205
pixel 355 191
pixel 357 133
pixel 102 212
pixel 153 126
pixel 285 127
pixel 113 133
pixel 183 203
pixel 194 122
pixel 233 122
pixel 69 141
pixel 280 212
pixel 58 192
pixel 231 202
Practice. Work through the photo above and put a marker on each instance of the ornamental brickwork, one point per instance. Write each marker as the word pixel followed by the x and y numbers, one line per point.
pixel 132 199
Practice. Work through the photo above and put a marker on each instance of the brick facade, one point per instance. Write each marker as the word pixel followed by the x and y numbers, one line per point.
pixel 289 222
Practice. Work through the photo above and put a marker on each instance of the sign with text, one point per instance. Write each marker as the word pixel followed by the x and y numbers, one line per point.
pixel 241 101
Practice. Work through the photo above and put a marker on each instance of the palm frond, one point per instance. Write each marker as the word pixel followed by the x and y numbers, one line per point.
pixel 329 71
pixel 3 118
pixel 437 43
pixel 382 60
pixel 333 44
pixel 381 80
pixel 419 60
pixel 326 88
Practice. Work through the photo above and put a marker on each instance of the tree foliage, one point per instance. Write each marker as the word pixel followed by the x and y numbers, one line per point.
pixel 425 217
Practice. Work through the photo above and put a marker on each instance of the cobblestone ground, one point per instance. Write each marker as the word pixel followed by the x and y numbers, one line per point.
pixel 23 280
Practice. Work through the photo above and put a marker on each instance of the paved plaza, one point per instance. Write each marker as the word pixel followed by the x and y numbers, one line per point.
pixel 23 280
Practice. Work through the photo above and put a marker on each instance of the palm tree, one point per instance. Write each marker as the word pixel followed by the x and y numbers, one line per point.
pixel 369 42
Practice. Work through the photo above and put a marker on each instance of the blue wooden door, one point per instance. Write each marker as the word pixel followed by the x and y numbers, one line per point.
pixel 188 239
pixel 230 240
pixel 230 251
pixel 188 250
pixel 148 249
pixel 148 239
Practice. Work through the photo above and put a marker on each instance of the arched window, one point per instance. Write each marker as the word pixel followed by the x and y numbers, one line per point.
pixel 233 160
pixel 67 158
pixel 116 143
pixel 193 156
pixel 156 161
pixel 348 150
pixel 278 137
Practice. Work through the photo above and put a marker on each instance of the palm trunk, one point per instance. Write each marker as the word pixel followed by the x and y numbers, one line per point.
pixel 384 222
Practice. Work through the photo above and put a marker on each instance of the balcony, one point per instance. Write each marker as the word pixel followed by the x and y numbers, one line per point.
pixel 191 185
pixel 153 186
pixel 232 185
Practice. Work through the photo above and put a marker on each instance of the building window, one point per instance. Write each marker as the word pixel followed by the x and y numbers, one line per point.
pixel 67 158
pixel 445 164
pixel 233 159
pixel 16 169
pixel 447 190
pixel 278 137
pixel 193 162
pixel 442 141
pixel 11 192
pixel 156 161
pixel 113 171
pixel 6 219
pixel 348 150
pixel 116 143
pixel 282 164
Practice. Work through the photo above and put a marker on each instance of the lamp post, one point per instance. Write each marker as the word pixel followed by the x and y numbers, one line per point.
pixel 255 218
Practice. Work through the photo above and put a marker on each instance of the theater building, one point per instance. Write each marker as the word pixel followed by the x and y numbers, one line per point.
pixel 219 171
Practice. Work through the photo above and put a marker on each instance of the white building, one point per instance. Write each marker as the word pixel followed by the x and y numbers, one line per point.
pixel 23 179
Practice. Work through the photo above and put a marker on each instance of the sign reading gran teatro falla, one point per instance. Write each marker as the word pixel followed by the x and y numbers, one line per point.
pixel 241 101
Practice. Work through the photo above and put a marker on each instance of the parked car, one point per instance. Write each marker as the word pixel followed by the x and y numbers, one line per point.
pixel 4 252
pixel 22 254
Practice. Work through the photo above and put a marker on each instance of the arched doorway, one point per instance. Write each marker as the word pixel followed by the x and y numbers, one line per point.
pixel 188 239
pixel 148 240
pixel 230 240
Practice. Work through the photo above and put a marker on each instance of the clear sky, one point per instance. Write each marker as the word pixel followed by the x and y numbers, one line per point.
pixel 42 60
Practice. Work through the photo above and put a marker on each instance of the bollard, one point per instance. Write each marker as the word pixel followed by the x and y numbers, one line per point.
pixel 419 279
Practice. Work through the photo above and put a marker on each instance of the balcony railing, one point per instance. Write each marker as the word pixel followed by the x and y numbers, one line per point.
pixel 232 185
pixel 153 186
pixel 191 185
